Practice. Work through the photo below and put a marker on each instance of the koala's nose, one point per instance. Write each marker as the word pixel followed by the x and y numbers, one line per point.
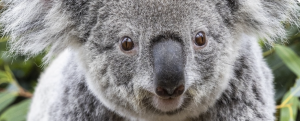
pixel 169 92
pixel 168 68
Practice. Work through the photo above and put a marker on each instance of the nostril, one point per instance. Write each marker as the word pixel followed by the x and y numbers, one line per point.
pixel 164 92
pixel 179 90
pixel 161 92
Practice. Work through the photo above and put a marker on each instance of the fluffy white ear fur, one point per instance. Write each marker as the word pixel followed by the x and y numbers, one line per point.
pixel 37 25
pixel 265 18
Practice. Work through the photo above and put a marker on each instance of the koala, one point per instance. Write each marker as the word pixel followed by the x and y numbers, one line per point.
pixel 149 60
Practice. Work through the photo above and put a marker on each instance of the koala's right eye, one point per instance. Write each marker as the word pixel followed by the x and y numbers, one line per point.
pixel 127 44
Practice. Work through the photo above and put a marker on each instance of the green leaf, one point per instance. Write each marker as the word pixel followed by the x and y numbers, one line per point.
pixel 3 39
pixel 296 89
pixel 284 77
pixel 9 73
pixel 294 102
pixel 285 113
pixel 6 98
pixel 12 87
pixel 17 112
pixel 3 77
pixel 298 104
pixel 289 57
pixel 3 74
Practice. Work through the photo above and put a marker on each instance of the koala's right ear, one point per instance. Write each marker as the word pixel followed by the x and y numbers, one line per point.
pixel 36 25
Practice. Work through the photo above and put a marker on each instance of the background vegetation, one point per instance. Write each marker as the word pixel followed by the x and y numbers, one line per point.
pixel 18 79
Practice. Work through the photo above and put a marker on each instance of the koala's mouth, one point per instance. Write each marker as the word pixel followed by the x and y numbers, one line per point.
pixel 167 104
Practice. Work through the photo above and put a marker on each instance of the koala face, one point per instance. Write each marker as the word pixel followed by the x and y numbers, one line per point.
pixel 158 57
pixel 148 58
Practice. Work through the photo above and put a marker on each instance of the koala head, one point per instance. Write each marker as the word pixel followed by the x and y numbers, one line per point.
pixel 158 57
pixel 149 58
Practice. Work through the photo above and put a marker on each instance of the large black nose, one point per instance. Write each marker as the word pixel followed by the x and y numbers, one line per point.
pixel 168 68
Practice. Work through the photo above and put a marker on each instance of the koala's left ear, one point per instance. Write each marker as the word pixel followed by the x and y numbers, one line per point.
pixel 261 18
pixel 36 25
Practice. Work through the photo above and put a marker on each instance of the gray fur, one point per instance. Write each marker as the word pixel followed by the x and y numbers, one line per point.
pixel 92 79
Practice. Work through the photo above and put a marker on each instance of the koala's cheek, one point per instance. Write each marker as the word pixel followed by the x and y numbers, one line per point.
pixel 111 78
pixel 207 75
pixel 99 74
pixel 123 70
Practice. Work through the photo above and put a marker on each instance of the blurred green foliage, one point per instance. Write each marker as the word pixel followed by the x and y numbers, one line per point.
pixel 17 81
pixel 284 61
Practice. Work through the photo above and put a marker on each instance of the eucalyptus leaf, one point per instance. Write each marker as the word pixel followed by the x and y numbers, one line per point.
pixel 3 74
pixel 12 87
pixel 294 103
pixel 284 78
pixel 296 89
pixel 6 98
pixel 17 112
pixel 290 58
pixel 3 39
pixel 3 77
pixel 285 113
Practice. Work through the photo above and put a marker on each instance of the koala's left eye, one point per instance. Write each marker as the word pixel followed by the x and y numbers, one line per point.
pixel 127 44
pixel 200 39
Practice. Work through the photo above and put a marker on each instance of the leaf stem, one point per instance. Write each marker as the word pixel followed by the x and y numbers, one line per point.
pixel 283 106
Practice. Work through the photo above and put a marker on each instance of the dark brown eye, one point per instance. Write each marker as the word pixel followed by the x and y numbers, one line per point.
pixel 200 39
pixel 127 44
